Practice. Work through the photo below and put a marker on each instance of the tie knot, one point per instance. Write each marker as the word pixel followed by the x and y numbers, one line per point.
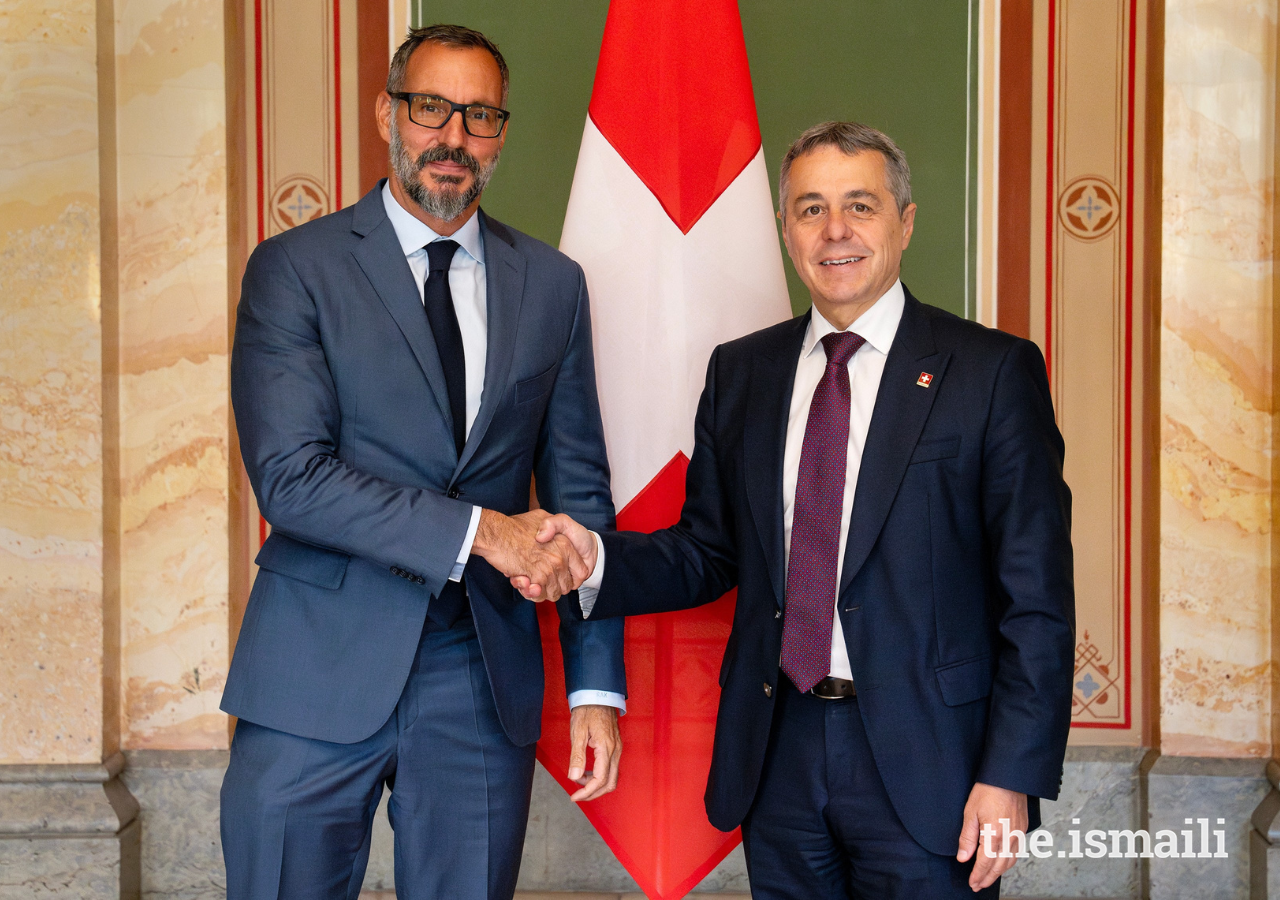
pixel 440 254
pixel 840 347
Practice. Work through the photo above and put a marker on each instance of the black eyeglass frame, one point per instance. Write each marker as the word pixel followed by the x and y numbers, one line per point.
pixel 406 97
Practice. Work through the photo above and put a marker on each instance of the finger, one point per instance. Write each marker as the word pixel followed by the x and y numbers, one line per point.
pixel 577 566
pixel 562 576
pixel 615 758
pixel 605 772
pixel 968 837
pixel 617 764
pixel 1004 864
pixel 527 592
pixel 591 789
pixel 981 876
pixel 546 578
pixel 998 868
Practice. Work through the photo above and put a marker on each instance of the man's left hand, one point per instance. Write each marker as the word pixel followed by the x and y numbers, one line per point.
pixel 987 805
pixel 596 727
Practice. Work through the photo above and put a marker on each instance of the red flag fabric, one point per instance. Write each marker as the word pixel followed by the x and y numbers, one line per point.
pixel 671 219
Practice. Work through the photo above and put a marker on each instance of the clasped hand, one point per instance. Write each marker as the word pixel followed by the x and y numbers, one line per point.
pixel 544 556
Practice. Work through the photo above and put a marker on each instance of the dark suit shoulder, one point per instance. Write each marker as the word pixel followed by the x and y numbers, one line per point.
pixel 321 232
pixel 538 253
pixel 952 332
pixel 768 341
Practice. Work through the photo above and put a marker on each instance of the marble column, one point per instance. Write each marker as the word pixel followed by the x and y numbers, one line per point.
pixel 1216 666
pixel 1215 573
pixel 68 827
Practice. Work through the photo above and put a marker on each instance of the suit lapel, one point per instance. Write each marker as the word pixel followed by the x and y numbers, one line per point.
pixel 504 294
pixel 773 377
pixel 902 406
pixel 382 260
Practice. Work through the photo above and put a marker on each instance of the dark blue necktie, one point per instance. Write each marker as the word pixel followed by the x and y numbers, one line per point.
pixel 438 302
pixel 446 609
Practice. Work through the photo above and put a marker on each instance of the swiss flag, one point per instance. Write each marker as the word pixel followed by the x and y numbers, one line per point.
pixel 671 218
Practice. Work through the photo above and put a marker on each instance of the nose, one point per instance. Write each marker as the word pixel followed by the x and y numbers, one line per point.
pixel 452 133
pixel 837 227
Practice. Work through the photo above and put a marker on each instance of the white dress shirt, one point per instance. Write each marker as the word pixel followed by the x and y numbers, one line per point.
pixel 878 326
pixel 468 287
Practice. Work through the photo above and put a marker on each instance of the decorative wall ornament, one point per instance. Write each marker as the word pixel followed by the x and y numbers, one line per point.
pixel 1089 208
pixel 298 199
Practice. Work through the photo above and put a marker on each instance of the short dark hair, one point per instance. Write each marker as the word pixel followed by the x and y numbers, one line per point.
pixel 852 138
pixel 448 36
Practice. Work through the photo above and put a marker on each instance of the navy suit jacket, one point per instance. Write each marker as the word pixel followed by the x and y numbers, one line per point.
pixel 345 431
pixel 956 594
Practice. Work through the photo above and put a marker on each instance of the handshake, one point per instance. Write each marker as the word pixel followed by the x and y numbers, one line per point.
pixel 545 556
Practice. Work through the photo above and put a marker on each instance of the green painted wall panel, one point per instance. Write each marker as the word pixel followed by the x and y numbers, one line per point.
pixel 904 66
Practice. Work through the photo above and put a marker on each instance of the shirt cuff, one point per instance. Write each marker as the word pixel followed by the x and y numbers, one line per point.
pixel 599 698
pixel 590 588
pixel 465 553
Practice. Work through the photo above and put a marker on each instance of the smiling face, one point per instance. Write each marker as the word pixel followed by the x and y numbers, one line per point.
pixel 843 231
pixel 439 173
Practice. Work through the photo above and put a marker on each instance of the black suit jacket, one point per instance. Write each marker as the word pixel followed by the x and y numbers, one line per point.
pixel 956 594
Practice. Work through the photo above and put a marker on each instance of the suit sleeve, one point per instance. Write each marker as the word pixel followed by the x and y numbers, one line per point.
pixel 571 470
pixel 694 561
pixel 288 419
pixel 1027 516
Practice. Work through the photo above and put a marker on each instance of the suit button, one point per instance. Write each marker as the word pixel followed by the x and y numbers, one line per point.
pixel 454 493
pixel 395 570
pixel 420 580
pixel 768 689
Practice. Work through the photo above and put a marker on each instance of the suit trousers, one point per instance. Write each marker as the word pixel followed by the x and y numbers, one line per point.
pixel 822 826
pixel 297 813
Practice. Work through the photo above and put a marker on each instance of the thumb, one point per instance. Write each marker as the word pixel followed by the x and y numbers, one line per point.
pixel 549 528
pixel 577 760
pixel 968 837
pixel 577 749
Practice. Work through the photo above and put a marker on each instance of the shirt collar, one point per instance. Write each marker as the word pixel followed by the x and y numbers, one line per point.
pixel 877 325
pixel 413 234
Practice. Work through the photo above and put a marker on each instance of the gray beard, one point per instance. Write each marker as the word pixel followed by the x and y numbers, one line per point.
pixel 446 201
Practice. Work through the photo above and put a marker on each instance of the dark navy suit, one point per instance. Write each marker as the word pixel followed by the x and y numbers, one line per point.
pixel 956 596
pixel 344 425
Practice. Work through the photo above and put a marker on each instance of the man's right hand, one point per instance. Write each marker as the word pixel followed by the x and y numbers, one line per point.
pixel 561 528
pixel 548 568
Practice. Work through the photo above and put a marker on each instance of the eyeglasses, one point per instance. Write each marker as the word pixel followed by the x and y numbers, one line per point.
pixel 435 112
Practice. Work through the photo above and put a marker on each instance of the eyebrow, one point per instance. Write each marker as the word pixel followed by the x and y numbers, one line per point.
pixel 856 194
pixel 459 102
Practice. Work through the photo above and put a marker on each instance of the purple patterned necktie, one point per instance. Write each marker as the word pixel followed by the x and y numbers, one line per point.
pixel 815 522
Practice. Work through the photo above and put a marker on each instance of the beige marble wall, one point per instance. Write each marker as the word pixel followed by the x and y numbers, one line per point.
pixel 1216 378
pixel 50 386
pixel 171 153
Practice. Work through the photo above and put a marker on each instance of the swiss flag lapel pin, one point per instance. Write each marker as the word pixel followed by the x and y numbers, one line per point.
pixel 924 380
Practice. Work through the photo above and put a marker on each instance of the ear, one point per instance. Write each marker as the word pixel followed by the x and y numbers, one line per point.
pixel 382 113
pixel 786 238
pixel 908 224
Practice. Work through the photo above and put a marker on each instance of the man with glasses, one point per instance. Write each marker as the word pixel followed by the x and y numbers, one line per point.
pixel 401 369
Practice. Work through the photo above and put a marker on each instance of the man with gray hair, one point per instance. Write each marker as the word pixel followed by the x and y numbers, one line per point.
pixel 401 369
pixel 882 482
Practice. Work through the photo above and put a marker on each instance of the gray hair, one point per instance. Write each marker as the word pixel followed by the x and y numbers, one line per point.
pixel 851 138
pixel 448 36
